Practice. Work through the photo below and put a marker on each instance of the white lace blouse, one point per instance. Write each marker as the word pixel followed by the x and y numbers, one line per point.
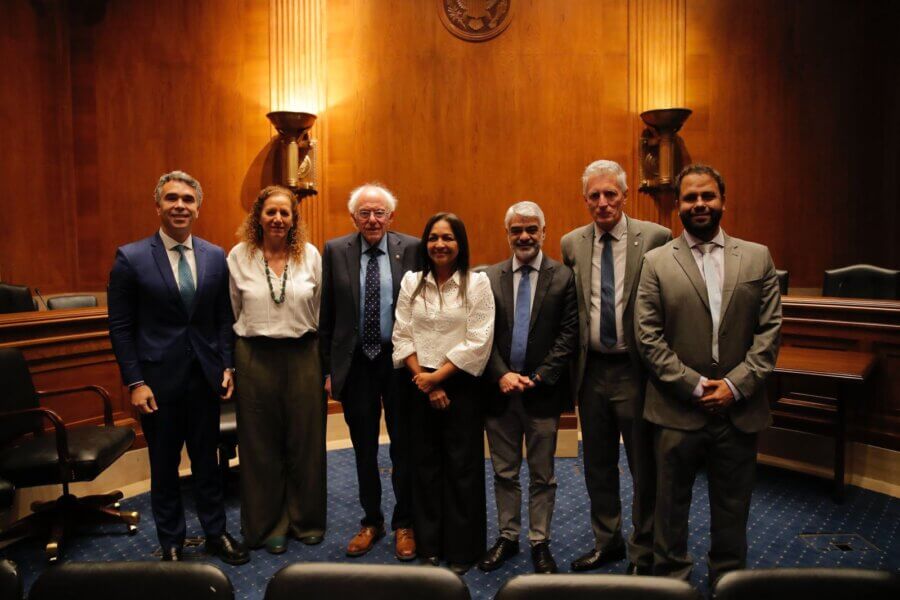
pixel 445 329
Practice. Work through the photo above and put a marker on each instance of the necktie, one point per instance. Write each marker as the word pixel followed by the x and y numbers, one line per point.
pixel 714 291
pixel 185 278
pixel 608 335
pixel 371 338
pixel 521 321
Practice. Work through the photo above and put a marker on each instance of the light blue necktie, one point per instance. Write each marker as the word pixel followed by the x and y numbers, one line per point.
pixel 185 278
pixel 714 292
pixel 608 335
pixel 521 321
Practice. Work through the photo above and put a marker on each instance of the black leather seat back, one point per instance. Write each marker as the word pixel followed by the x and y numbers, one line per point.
pixel 327 581
pixel 10 581
pixel 82 301
pixel 569 586
pixel 16 393
pixel 15 298
pixel 817 583
pixel 132 581
pixel 784 280
pixel 862 281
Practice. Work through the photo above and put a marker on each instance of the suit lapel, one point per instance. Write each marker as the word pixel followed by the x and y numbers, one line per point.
pixel 352 258
pixel 684 257
pixel 543 282
pixel 395 253
pixel 732 269
pixel 506 292
pixel 161 257
pixel 200 259
pixel 584 257
pixel 633 254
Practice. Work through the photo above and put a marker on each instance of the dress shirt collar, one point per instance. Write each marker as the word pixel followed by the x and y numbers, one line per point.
pixel 693 241
pixel 382 244
pixel 618 231
pixel 535 264
pixel 170 243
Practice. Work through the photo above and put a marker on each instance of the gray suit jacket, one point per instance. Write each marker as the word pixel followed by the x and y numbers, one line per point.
pixel 674 330
pixel 552 337
pixel 339 311
pixel 577 247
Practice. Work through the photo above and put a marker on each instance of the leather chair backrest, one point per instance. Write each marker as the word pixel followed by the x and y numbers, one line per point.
pixel 784 279
pixel 141 580
pixel 818 583
pixel 17 394
pixel 7 495
pixel 15 298
pixel 568 586
pixel 83 301
pixel 862 281
pixel 327 581
pixel 10 580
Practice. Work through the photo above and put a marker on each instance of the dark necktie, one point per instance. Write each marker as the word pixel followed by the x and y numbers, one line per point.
pixel 186 285
pixel 608 335
pixel 371 338
pixel 521 321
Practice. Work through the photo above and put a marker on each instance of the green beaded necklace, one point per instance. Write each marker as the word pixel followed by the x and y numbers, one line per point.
pixel 284 275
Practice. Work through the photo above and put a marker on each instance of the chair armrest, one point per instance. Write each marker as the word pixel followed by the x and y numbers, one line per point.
pixel 107 403
pixel 62 439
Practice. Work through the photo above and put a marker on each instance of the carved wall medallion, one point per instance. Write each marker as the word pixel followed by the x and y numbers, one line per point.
pixel 475 20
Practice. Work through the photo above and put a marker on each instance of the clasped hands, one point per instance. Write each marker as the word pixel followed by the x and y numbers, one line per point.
pixel 514 382
pixel 717 396
pixel 429 383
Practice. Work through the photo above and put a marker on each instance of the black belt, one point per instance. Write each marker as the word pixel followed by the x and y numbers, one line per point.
pixel 609 356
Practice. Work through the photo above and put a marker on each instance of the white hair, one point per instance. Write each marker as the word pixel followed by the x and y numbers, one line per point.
pixel 526 208
pixel 604 167
pixel 389 199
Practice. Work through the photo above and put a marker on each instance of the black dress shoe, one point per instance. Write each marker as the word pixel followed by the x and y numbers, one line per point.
pixel 634 569
pixel 312 540
pixel 431 561
pixel 597 558
pixel 542 559
pixel 460 568
pixel 497 555
pixel 172 554
pixel 227 549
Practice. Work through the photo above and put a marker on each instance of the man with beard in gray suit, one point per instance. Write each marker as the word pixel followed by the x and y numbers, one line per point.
pixel 707 323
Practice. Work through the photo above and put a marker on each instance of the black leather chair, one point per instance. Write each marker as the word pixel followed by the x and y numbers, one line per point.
pixel 74 301
pixel 228 438
pixel 15 298
pixel 818 583
pixel 7 494
pixel 30 457
pixel 862 281
pixel 10 581
pixel 132 581
pixel 784 279
pixel 590 587
pixel 326 581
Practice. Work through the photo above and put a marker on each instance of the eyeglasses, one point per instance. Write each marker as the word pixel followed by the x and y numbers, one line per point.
pixel 379 214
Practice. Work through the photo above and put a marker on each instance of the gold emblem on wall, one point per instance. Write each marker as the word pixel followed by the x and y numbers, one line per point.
pixel 476 20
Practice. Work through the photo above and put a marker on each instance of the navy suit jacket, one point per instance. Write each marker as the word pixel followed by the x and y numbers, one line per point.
pixel 154 335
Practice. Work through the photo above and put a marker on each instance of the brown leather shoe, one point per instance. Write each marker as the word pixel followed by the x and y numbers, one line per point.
pixel 363 541
pixel 404 544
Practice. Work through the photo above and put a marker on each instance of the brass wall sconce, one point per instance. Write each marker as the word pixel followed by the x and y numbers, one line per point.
pixel 662 151
pixel 297 168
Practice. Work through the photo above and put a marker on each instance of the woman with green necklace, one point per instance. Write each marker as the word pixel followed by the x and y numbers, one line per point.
pixel 281 412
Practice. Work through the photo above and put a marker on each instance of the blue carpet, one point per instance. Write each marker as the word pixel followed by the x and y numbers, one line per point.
pixel 793 523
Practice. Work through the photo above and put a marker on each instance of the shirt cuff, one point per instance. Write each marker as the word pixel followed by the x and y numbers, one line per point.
pixel 698 391
pixel 734 391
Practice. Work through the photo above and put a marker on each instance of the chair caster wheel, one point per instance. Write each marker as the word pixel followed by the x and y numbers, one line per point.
pixel 132 530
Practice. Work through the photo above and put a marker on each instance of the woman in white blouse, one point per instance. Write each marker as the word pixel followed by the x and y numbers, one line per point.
pixel 281 412
pixel 443 333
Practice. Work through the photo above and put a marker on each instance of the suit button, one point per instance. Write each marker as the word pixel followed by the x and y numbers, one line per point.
pixel 715 365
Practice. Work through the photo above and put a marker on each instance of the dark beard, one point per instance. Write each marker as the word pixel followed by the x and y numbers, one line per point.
pixel 701 231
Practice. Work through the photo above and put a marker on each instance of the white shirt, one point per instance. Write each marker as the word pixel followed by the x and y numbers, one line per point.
pixel 532 276
pixel 175 256
pixel 255 313
pixel 619 250
pixel 438 326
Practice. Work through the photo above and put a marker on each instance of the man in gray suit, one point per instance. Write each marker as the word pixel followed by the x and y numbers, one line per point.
pixel 606 256
pixel 707 322
pixel 361 275
pixel 535 335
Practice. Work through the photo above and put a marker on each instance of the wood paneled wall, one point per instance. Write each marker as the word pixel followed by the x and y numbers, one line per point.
pixel 795 102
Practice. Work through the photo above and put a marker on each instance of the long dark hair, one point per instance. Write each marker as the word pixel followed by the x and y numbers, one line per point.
pixel 462 258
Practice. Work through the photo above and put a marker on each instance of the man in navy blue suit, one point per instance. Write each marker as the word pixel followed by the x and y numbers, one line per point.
pixel 170 324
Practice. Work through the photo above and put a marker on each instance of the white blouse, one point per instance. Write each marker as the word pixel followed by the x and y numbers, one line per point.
pixel 255 313
pixel 444 329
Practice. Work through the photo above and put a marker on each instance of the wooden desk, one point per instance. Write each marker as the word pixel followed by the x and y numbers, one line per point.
pixel 847 371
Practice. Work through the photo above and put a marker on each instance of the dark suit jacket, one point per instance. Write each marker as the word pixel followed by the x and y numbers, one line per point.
pixel 674 328
pixel 339 312
pixel 552 337
pixel 154 335
pixel 577 248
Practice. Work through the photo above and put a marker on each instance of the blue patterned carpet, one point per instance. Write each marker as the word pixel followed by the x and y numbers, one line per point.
pixel 793 522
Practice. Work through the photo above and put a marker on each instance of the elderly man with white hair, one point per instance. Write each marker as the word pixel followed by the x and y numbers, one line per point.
pixel 535 336
pixel 361 274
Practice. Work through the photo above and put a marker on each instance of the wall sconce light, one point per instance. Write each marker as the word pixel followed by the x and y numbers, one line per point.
pixel 662 151
pixel 297 166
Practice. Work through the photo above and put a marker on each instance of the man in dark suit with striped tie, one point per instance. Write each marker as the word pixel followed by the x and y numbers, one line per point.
pixel 170 325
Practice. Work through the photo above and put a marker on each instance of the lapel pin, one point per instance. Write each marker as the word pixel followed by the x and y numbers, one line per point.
pixel 397 256
pixel 635 243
